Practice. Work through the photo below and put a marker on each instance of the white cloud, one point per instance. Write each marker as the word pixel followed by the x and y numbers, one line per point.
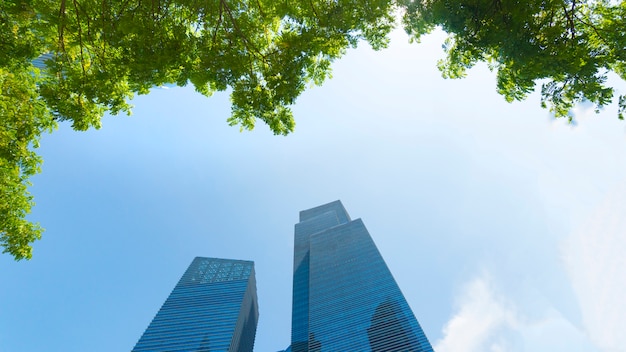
pixel 497 316
pixel 594 257
pixel 488 321
pixel 480 314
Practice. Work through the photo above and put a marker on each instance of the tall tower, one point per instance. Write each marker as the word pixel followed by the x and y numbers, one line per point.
pixel 212 308
pixel 344 296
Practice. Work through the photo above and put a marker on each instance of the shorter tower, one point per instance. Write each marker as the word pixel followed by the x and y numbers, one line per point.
pixel 212 308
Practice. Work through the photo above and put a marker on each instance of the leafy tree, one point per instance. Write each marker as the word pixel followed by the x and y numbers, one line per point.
pixel 568 45
pixel 24 116
pixel 101 52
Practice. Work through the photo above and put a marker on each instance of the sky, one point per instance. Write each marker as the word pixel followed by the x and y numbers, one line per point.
pixel 503 227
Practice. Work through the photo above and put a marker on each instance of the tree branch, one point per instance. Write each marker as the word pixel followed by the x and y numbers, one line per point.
pixel 595 29
pixel 260 8
pixel 219 22
pixel 80 40
pixel 246 43
pixel 62 21
pixel 315 11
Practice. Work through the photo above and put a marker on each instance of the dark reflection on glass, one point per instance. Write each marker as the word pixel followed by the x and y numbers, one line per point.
pixel 300 346
pixel 205 345
pixel 246 343
pixel 300 309
pixel 388 330
pixel 314 345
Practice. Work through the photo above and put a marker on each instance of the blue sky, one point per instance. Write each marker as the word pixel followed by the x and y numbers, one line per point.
pixel 503 227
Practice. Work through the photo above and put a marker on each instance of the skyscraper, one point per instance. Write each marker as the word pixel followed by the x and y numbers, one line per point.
pixel 344 296
pixel 212 308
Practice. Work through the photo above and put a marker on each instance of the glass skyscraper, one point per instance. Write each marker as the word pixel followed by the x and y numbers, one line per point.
pixel 344 296
pixel 212 308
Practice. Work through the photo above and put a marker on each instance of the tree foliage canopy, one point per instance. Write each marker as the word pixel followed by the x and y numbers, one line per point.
pixel 99 53
pixel 570 45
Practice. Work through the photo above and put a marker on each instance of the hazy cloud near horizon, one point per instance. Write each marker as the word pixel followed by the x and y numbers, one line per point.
pixel 490 317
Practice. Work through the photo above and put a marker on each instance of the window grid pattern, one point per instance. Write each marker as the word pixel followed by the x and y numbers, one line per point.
pixel 313 221
pixel 216 270
pixel 352 301
pixel 212 308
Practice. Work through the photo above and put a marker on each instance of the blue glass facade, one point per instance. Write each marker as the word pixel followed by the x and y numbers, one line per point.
pixel 40 62
pixel 344 296
pixel 212 308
